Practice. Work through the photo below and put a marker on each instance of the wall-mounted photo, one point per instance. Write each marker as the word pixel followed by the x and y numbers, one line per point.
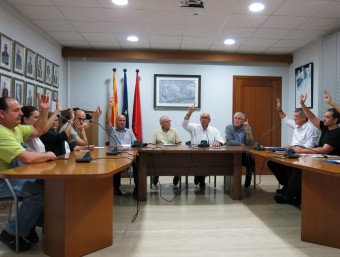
pixel 39 90
pixel 6 86
pixel 18 58
pixel 55 95
pixel 30 67
pixel 29 94
pixel 304 84
pixel 40 68
pixel 18 89
pixel 48 92
pixel 48 72
pixel 55 80
pixel 6 52
pixel 176 91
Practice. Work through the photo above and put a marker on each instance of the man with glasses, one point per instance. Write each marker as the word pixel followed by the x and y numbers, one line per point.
pixel 305 135
pixel 201 132
pixel 240 133
pixel 165 135
pixel 78 134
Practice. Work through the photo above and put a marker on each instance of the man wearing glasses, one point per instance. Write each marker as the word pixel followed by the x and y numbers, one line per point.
pixel 165 135
pixel 202 132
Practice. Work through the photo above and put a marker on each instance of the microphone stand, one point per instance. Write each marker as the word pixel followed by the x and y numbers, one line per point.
pixel 260 147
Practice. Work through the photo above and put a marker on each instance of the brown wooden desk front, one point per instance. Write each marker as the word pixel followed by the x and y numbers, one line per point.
pixel 182 160
pixel 78 201
pixel 320 208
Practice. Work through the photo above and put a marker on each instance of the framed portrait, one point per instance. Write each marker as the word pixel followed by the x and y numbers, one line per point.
pixel 48 92
pixel 30 67
pixel 6 86
pixel 304 84
pixel 6 52
pixel 48 72
pixel 55 95
pixel 18 90
pixel 39 90
pixel 40 68
pixel 176 91
pixel 18 58
pixel 29 94
pixel 55 77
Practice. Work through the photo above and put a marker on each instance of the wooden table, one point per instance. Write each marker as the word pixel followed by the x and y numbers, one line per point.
pixel 191 161
pixel 320 209
pixel 78 201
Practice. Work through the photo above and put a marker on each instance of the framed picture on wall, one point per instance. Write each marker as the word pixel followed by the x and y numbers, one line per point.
pixel 40 68
pixel 55 95
pixel 176 91
pixel 39 90
pixel 48 72
pixel 304 84
pixel 55 80
pixel 6 52
pixel 30 65
pixel 29 94
pixel 6 86
pixel 48 92
pixel 18 89
pixel 18 58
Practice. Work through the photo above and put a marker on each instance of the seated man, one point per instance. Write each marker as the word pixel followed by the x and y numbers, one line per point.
pixel 200 132
pixel 119 135
pixel 239 133
pixel 305 134
pixel 165 135
pixel 13 154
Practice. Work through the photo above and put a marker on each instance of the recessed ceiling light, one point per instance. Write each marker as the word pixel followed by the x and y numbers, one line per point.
pixel 132 38
pixel 256 7
pixel 229 41
pixel 120 2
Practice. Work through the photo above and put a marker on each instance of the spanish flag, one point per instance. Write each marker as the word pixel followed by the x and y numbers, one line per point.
pixel 136 116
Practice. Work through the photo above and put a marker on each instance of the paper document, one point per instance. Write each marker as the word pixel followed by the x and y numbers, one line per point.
pixel 314 155
pixel 170 144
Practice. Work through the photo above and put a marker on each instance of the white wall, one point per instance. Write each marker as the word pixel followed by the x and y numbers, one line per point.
pixel 19 29
pixel 91 84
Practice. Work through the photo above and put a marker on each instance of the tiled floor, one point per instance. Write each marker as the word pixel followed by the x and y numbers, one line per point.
pixel 202 222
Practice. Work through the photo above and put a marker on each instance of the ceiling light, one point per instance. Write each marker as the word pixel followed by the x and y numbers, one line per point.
pixel 256 7
pixel 229 41
pixel 120 2
pixel 132 38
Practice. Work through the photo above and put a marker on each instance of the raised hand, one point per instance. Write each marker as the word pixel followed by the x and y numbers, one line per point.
pixel 327 97
pixel 99 111
pixel 303 98
pixel 192 108
pixel 44 101
pixel 58 105
pixel 246 124
pixel 278 104
pixel 110 102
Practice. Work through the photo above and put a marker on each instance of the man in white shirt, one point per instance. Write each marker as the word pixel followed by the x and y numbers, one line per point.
pixel 201 132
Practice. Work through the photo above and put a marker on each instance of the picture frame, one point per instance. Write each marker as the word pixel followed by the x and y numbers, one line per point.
pixel 176 91
pixel 18 90
pixel 55 77
pixel 48 72
pixel 29 94
pixel 40 68
pixel 5 86
pixel 6 46
pixel 55 95
pixel 29 64
pixel 18 58
pixel 38 90
pixel 304 84
pixel 48 92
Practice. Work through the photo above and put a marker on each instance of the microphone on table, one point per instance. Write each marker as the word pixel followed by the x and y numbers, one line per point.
pixel 87 156
pixel 204 143
pixel 114 151
pixel 259 146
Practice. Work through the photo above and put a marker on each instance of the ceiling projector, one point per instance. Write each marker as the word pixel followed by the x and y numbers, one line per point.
pixel 192 4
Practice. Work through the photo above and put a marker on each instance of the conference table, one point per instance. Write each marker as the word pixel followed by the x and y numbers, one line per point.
pixel 183 160
pixel 78 200
pixel 320 208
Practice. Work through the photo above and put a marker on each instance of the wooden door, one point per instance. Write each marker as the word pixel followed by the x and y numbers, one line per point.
pixel 256 97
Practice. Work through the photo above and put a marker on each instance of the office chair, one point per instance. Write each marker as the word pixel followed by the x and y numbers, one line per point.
pixel 14 199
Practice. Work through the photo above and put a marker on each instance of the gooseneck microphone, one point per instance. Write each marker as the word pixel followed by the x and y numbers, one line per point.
pixel 114 151
pixel 87 156
pixel 259 146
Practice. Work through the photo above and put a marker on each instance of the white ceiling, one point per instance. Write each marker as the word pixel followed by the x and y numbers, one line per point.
pixel 283 27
